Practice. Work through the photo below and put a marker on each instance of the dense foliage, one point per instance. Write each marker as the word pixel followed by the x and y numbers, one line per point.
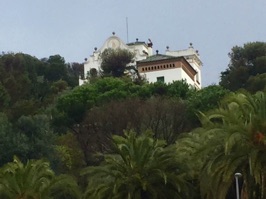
pixel 247 68
pixel 141 167
pixel 28 84
pixel 231 139
pixel 115 61
pixel 35 180
pixel 120 138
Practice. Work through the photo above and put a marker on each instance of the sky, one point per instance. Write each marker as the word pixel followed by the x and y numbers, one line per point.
pixel 72 28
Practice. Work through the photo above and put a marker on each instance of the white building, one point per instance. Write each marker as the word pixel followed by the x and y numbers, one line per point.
pixel 140 49
pixel 173 66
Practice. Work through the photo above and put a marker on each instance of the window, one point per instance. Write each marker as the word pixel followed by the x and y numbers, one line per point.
pixel 160 79
pixel 197 78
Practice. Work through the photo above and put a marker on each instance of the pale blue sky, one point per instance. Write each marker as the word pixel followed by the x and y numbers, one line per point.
pixel 72 28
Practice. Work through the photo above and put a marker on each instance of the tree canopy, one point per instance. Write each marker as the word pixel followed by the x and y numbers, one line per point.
pixel 140 167
pixel 28 84
pixel 35 180
pixel 130 139
pixel 231 139
pixel 247 63
pixel 114 61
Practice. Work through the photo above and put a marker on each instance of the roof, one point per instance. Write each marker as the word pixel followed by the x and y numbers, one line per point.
pixel 136 43
pixel 157 57
pixel 160 57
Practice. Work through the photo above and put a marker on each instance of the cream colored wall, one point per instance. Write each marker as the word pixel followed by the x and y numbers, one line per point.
pixel 170 75
pixel 94 61
pixel 190 54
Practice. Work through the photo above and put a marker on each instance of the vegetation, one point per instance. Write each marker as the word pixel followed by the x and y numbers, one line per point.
pixel 231 140
pixel 120 138
pixel 35 180
pixel 247 68
pixel 31 137
pixel 114 61
pixel 140 167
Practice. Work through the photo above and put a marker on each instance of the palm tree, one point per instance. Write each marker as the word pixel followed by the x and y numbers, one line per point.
pixel 34 180
pixel 188 147
pixel 233 140
pixel 140 167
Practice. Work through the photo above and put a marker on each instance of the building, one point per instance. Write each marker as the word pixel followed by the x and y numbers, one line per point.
pixel 141 50
pixel 172 66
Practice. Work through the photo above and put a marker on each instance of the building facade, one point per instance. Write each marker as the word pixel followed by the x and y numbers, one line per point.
pixel 141 50
pixel 172 66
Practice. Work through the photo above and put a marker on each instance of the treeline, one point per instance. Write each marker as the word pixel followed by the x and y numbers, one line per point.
pixel 118 138
pixel 28 84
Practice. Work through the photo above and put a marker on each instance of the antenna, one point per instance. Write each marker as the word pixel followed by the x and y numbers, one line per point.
pixel 127 28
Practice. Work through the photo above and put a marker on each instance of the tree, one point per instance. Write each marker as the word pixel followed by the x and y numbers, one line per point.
pixel 4 98
pixel 232 139
pixel 35 180
pixel 93 75
pixel 257 83
pixel 246 61
pixel 14 75
pixel 75 71
pixel 114 61
pixel 180 89
pixel 27 84
pixel 74 104
pixel 56 68
pixel 203 100
pixel 40 136
pixel 70 155
pixel 10 142
pixel 31 137
pixel 78 69
pixel 91 111
pixel 167 118
pixel 140 167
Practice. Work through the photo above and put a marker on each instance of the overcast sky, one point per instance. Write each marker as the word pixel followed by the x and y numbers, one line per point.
pixel 72 28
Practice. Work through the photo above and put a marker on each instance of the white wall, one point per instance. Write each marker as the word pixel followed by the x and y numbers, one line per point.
pixel 192 56
pixel 187 78
pixel 94 60
pixel 170 75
